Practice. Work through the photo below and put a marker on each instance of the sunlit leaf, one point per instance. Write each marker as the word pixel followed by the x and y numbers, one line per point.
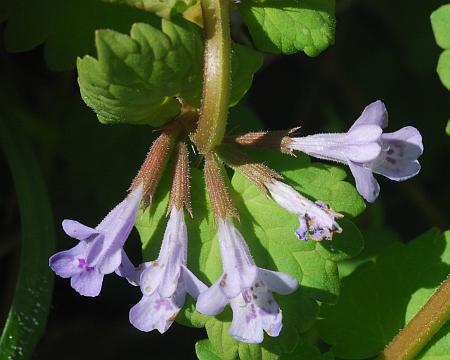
pixel 440 21
pixel 137 78
pixel 289 26
pixel 380 297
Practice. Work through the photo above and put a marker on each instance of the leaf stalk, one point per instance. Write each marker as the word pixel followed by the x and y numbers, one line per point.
pixel 216 75
pixel 422 327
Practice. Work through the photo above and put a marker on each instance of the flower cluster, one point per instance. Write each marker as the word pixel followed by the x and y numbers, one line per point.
pixel 243 285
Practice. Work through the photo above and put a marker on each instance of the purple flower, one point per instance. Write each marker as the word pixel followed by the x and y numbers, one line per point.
pixel 99 251
pixel 247 288
pixel 366 150
pixel 317 220
pixel 165 281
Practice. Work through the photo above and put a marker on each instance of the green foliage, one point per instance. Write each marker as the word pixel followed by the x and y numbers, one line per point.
pixel 443 68
pixel 27 316
pixel 243 118
pixel 447 128
pixel 163 8
pixel 293 26
pixel 136 78
pixel 228 348
pixel 66 27
pixel 205 350
pixel 289 26
pixel 269 231
pixel 380 297
pixel 113 86
pixel 222 346
pixel 440 21
pixel 126 84
pixel 244 63
pixel 375 241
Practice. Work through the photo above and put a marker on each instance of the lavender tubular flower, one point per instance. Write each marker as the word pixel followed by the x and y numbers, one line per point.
pixel 317 220
pixel 366 150
pixel 247 288
pixel 165 281
pixel 99 251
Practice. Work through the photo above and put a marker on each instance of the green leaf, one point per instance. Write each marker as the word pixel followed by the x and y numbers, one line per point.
pixel 244 63
pixel 443 68
pixel 307 351
pixel 136 78
pixel 205 350
pixel 152 222
pixel 27 316
pixel 163 8
pixel 375 241
pixel 328 356
pixel 288 345
pixel 440 22
pixel 447 128
pixel 269 231
pixel 33 22
pixel 288 26
pixel 380 297
pixel 242 119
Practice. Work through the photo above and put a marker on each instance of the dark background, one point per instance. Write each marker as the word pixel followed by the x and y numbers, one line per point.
pixel 383 50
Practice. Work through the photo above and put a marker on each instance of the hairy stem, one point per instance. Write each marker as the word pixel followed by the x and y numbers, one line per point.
pixel 422 327
pixel 154 164
pixel 218 188
pixel 216 75
pixel 259 174
pixel 180 193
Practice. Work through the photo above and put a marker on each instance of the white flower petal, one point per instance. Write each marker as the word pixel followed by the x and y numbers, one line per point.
pixel 212 301
pixel 373 114
pixel 278 282
pixel 366 184
pixel 154 312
